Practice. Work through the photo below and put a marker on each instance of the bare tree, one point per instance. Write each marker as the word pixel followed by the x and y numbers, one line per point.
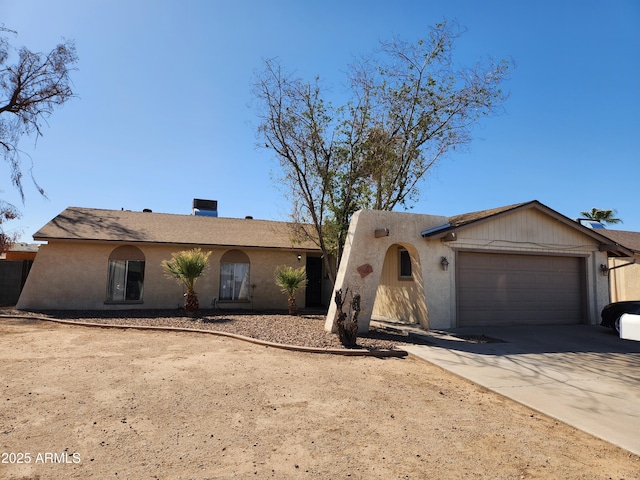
pixel 409 107
pixel 32 85
pixel 7 212
pixel 297 124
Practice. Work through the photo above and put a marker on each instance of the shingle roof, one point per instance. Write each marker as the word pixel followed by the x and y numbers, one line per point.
pixel 631 240
pixel 620 246
pixel 459 220
pixel 77 223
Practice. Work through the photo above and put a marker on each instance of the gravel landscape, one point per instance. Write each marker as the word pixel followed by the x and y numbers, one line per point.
pixel 85 402
pixel 306 330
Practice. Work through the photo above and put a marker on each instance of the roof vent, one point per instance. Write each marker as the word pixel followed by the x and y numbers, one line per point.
pixel 248 217
pixel 147 210
pixel 206 208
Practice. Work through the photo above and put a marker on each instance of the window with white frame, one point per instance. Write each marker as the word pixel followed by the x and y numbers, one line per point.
pixel 235 275
pixel 125 282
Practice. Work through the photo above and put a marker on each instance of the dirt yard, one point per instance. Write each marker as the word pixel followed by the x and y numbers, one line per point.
pixel 84 402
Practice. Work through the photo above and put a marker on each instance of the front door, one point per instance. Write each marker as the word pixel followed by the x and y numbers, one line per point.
pixel 313 296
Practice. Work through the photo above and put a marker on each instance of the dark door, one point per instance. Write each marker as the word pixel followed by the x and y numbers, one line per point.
pixel 313 296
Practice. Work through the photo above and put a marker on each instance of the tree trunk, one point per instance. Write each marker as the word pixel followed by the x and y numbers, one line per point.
pixel 191 304
pixel 347 323
pixel 293 307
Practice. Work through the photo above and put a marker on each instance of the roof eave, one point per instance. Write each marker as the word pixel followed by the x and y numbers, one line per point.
pixel 439 233
pixel 606 244
pixel 300 248
pixel 616 250
pixel 435 230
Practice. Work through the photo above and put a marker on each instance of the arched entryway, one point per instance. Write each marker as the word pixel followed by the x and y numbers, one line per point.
pixel 400 295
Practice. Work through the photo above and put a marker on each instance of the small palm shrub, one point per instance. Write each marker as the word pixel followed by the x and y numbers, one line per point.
pixel 186 267
pixel 290 280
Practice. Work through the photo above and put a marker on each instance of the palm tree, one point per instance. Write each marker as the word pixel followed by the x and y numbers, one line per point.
pixel 602 216
pixel 290 280
pixel 186 267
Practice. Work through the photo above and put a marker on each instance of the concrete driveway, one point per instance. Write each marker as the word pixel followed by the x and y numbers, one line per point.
pixel 582 375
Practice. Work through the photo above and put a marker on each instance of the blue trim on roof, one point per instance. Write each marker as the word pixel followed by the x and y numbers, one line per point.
pixel 435 229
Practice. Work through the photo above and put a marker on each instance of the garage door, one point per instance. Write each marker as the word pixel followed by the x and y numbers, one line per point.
pixel 504 289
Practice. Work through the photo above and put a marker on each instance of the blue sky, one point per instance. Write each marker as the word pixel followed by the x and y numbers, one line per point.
pixel 164 112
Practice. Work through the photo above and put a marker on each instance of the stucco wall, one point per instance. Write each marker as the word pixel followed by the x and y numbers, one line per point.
pixel 398 298
pixel 73 275
pixel 363 259
pixel 624 279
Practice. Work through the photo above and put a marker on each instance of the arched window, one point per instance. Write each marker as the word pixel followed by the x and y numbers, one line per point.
pixel 235 276
pixel 126 275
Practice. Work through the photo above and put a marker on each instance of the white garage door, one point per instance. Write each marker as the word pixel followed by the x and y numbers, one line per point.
pixel 505 289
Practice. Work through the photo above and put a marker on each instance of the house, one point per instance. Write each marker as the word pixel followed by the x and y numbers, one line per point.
pixel 624 272
pixel 111 259
pixel 515 265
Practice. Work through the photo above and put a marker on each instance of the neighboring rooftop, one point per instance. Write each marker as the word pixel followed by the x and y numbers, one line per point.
pixel 24 247
pixel 631 240
pixel 20 251
pixel 76 223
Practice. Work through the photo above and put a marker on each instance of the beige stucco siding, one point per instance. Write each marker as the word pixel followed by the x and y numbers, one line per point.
pixel 73 275
pixel 624 279
pixel 364 249
pixel 64 273
pixel 399 298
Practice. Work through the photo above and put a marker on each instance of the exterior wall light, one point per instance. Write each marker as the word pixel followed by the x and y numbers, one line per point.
pixel 604 270
pixel 299 257
pixel 444 263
